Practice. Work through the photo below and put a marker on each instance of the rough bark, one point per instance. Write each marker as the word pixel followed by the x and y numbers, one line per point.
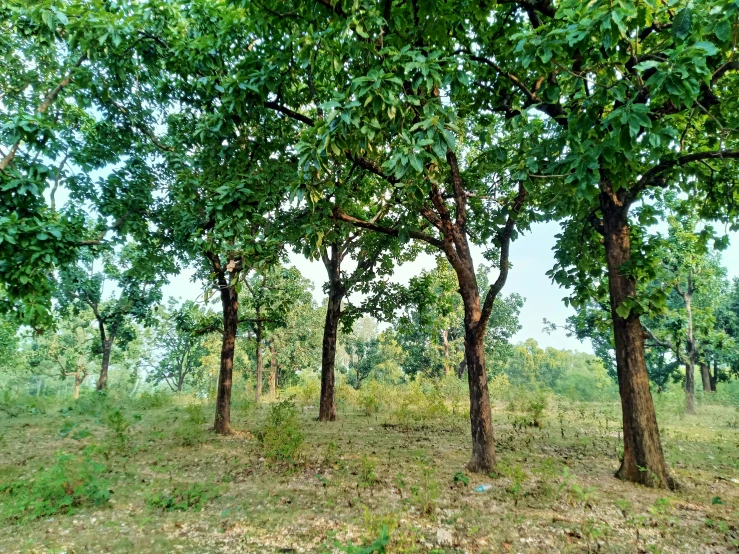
pixel 230 304
pixel 643 460
pixel 258 339
pixel 327 408
pixel 273 370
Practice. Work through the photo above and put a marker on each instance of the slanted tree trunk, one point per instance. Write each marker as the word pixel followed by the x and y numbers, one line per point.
pixel 643 461
pixel 273 370
pixel 258 338
pixel 706 377
pixel 327 408
pixel 230 304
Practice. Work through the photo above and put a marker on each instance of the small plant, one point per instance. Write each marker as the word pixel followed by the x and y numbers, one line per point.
pixel 155 399
pixel 517 476
pixel 71 482
pixel 195 414
pixel 377 546
pixel 331 457
pixel 427 492
pixel 461 480
pixel 181 499
pixel 366 478
pixel 280 436
pixel 119 438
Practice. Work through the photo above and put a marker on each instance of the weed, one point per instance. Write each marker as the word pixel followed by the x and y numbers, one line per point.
pixel 181 499
pixel 118 438
pixel 71 482
pixel 366 477
pixel 155 399
pixel 427 491
pixel 280 436
pixel 377 546
pixel 460 479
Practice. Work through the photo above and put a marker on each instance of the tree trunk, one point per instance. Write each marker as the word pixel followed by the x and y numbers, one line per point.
pixel 691 348
pixel 107 347
pixel 714 376
pixel 258 338
pixel 706 377
pixel 230 303
pixel 327 408
pixel 643 460
pixel 445 342
pixel 273 371
pixel 481 420
pixel 78 377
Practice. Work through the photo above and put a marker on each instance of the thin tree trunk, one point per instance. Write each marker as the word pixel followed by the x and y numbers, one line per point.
pixel 445 342
pixel 643 460
pixel 107 348
pixel 714 375
pixel 78 377
pixel 690 365
pixel 230 303
pixel 706 377
pixel 327 408
pixel 273 370
pixel 258 391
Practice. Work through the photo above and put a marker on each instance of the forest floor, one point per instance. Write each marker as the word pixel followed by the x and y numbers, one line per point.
pixel 176 487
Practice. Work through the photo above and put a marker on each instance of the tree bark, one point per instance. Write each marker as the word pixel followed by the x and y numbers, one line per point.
pixel 258 338
pixel 107 343
pixel 327 408
pixel 643 460
pixel 714 376
pixel 706 377
pixel 230 304
pixel 273 370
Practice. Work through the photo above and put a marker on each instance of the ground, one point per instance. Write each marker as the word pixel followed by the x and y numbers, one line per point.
pixel 176 487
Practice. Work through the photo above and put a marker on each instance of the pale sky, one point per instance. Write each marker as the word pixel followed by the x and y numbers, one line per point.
pixel 531 257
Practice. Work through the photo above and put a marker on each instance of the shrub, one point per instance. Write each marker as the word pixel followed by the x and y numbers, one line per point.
pixel 119 438
pixel 156 399
pixel 368 397
pixel 181 499
pixel 280 436
pixel 71 482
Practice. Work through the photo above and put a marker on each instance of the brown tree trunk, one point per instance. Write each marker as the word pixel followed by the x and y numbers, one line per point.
pixel 481 420
pixel 273 371
pixel 327 408
pixel 230 303
pixel 706 377
pixel 643 460
pixel 258 338
pixel 714 376
pixel 107 347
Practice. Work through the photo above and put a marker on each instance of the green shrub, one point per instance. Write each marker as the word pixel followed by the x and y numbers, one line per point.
pixel 119 438
pixel 156 399
pixel 71 482
pixel 280 436
pixel 368 398
pixel 182 499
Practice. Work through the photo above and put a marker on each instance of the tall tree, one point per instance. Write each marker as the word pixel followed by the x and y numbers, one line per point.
pixel 644 99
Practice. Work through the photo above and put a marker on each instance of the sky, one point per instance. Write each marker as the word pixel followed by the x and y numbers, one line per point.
pixel 531 258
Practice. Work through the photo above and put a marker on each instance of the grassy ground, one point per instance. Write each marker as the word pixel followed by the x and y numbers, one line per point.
pixel 175 487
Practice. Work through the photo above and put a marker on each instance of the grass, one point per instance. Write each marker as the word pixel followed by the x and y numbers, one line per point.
pixel 176 487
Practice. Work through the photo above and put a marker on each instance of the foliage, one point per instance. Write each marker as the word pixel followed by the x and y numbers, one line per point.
pixel 280 435
pixel 71 482
pixel 183 498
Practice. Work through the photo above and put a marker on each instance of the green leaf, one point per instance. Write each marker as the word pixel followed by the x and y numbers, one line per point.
pixel 624 310
pixel 723 30
pixel 681 24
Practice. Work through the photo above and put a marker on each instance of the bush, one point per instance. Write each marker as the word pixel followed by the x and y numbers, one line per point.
pixel 368 397
pixel 280 436
pixel 307 391
pixel 156 399
pixel 181 499
pixel 71 482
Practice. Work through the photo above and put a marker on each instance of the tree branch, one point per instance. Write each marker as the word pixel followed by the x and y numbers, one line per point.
pixel 340 216
pixel 653 177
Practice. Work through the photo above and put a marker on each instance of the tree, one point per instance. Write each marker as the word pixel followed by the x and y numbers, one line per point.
pixel 179 345
pixel 81 287
pixel 72 106
pixel 643 98
pixel 272 293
